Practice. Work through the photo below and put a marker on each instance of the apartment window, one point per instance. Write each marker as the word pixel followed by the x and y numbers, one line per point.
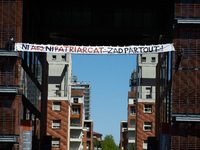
pixel 143 59
pixel 134 101
pixel 132 111
pixel 153 59
pixel 55 142
pixel 53 57
pixel 148 93
pixel 147 126
pixel 56 106
pixel 145 144
pixel 56 124
pixel 75 110
pixel 75 100
pixel 147 108
pixel 63 57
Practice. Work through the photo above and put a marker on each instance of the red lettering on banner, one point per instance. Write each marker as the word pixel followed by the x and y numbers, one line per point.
pixel 89 50
pixel 33 48
pixel 40 48
pixel 56 48
pixel 61 49
pixel 101 48
pixel 96 50
pixel 71 49
pixel 66 47
pixel 79 50
pixel 84 49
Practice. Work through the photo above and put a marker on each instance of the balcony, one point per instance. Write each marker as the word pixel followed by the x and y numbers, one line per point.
pixel 75 138
pixel 132 128
pixel 9 138
pixel 131 140
pixel 73 148
pixel 6 53
pixel 133 82
pixel 75 126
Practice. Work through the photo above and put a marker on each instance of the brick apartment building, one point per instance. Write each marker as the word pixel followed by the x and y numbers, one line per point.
pixel 77 120
pixel 123 135
pixel 23 82
pixel 178 97
pixel 131 127
pixel 145 103
pixel 88 123
pixel 141 106
pixel 59 96
pixel 81 130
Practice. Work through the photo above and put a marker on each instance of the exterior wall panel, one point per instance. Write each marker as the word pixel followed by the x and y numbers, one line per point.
pixel 9 114
pixel 187 8
pixel 141 118
pixel 62 115
pixel 11 21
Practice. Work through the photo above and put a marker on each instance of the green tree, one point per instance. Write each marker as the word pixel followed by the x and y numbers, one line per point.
pixel 95 142
pixel 132 146
pixel 109 143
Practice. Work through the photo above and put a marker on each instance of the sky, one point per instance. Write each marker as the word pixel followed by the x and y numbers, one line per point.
pixel 109 80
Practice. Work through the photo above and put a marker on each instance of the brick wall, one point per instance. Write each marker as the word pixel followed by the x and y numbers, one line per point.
pixel 62 115
pixel 10 111
pixel 11 16
pixel 142 117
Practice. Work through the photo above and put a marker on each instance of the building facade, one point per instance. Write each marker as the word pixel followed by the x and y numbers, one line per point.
pixel 123 135
pixel 77 120
pixel 131 119
pixel 141 103
pixel 178 97
pixel 59 104
pixel 22 85
pixel 86 87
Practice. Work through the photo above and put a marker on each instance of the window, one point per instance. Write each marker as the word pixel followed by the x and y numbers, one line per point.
pixel 143 59
pixel 53 57
pixel 147 108
pixel 55 142
pixel 56 124
pixel 56 106
pixel 147 126
pixel 145 144
pixel 132 111
pixel 63 57
pixel 75 100
pixel 134 101
pixel 75 110
pixel 148 96
pixel 153 59
pixel 148 93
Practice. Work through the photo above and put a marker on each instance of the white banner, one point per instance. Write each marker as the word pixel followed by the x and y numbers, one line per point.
pixel 109 50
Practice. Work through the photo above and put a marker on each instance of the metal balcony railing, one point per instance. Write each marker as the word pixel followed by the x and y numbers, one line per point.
pixel 131 138
pixel 75 125
pixel 74 148
pixel 75 136
pixel 132 126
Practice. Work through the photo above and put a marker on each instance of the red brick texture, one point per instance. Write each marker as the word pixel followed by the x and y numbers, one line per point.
pixel 62 115
pixel 142 117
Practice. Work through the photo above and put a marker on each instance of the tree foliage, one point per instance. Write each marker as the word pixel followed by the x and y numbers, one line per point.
pixel 132 146
pixel 109 143
pixel 95 142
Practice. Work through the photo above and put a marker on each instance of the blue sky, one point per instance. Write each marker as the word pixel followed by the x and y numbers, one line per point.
pixel 109 80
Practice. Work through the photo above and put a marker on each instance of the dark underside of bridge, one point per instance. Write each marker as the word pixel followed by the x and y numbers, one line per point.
pixel 88 22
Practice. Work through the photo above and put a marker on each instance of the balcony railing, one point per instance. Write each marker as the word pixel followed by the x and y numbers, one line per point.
pixel 131 138
pixel 132 126
pixel 75 125
pixel 75 136
pixel 74 148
